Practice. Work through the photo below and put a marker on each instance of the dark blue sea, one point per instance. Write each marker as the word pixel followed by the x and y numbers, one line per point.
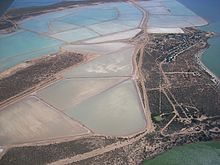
pixel 209 10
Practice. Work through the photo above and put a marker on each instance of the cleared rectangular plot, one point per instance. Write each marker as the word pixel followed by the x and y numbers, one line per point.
pixel 31 120
pixel 75 35
pixel 114 64
pixel 67 93
pixel 115 112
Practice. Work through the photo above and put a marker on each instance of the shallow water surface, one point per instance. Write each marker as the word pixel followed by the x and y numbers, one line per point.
pixel 116 111
pixel 36 3
pixel 23 45
pixel 209 10
pixel 192 154
pixel 31 120
pixel 67 93
pixel 110 65
pixel 171 13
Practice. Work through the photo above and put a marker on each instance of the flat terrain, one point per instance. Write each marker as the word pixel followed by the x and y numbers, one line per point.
pixel 122 94
pixel 179 90
pixel 39 71
pixel 33 121
pixel 48 153
pixel 68 89
pixel 188 154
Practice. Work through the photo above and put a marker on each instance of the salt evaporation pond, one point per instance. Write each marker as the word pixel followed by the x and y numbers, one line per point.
pixel 14 49
pixel 36 3
pixel 75 35
pixel 48 23
pixel 170 14
pixel 88 22
pixel 116 111
pixel 45 33
pixel 99 104
pixel 114 64
pixel 70 92
pixel 88 16
pixel 97 49
pixel 114 37
pixel 31 120
pixel 32 3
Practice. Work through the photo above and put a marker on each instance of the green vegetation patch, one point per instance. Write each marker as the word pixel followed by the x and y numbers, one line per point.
pixel 157 118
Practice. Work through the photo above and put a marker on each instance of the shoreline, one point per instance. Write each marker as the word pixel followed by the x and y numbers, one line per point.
pixel 190 111
pixel 9 19
pixel 198 56
pixel 177 146
pixel 149 145
pixel 36 74
pixel 152 146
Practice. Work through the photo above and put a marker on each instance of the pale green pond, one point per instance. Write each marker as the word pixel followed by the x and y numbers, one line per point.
pixel 117 111
pixel 192 154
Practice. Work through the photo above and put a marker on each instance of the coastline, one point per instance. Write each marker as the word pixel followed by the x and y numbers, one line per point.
pixel 8 21
pixel 36 74
pixel 149 146
pixel 178 88
pixel 213 25
pixel 198 56
pixel 170 152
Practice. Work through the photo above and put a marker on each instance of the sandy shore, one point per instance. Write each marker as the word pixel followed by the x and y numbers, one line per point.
pixel 215 79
